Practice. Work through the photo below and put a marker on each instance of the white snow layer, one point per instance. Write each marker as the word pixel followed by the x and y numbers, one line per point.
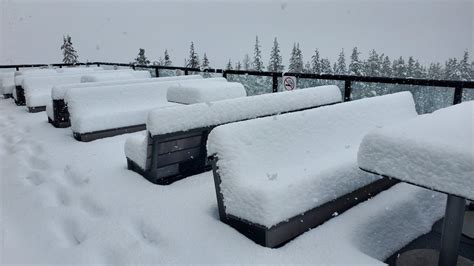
pixel 136 148
pixel 199 93
pixel 38 88
pixel 59 91
pixel 186 117
pixel 50 111
pixel 277 167
pixel 115 75
pixel 7 82
pixel 100 108
pixel 65 202
pixel 433 150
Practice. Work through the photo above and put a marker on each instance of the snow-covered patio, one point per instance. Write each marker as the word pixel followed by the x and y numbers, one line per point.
pixel 65 201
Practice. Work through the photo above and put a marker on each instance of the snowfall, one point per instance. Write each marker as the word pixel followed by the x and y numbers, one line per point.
pixel 65 201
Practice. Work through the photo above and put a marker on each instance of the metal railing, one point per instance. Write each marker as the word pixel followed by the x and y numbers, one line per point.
pixel 458 86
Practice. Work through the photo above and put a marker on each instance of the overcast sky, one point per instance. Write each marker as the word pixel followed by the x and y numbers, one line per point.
pixel 32 31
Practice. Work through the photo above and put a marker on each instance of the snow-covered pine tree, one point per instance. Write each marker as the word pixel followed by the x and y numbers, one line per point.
pixel 193 60
pixel 326 66
pixel 141 58
pixel 435 71
pixel 340 65
pixel 307 68
pixel 386 70
pixel 205 62
pixel 167 61
pixel 296 59
pixel 373 65
pixel 464 67
pixel 275 58
pixel 229 65
pixel 452 69
pixel 69 53
pixel 238 66
pixel 355 66
pixel 399 68
pixel 419 71
pixel 411 67
pixel 257 63
pixel 472 70
pixel 316 62
pixel 246 62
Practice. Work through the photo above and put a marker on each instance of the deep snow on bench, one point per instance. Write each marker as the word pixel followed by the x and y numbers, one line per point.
pixel 433 150
pixel 65 202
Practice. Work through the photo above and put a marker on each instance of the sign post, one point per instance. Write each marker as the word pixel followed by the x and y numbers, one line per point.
pixel 289 83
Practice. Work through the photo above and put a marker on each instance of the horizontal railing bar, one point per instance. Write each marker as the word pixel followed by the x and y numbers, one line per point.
pixel 386 80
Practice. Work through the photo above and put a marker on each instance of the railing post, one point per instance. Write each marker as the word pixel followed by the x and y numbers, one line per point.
pixel 224 74
pixel 186 72
pixel 347 90
pixel 98 65
pixel 157 72
pixel 274 82
pixel 457 95
pixel 17 69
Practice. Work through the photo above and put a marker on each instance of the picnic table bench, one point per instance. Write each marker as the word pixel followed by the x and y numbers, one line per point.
pixel 174 146
pixel 434 151
pixel 277 177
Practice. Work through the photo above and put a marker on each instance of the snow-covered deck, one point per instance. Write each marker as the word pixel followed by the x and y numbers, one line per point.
pixel 65 201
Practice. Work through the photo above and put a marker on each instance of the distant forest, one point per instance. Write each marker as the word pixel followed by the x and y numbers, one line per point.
pixel 376 64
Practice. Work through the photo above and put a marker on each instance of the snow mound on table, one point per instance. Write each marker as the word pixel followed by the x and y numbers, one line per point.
pixel 38 88
pixel 115 75
pixel 100 108
pixel 50 111
pixel 187 117
pixel 199 93
pixel 59 91
pixel 277 167
pixel 433 150
pixel 7 82
pixel 71 70
pixel 20 75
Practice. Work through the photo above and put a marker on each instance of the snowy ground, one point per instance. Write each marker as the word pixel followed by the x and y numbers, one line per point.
pixel 64 201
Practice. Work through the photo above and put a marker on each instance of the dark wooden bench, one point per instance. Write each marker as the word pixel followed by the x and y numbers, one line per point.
pixel 171 156
pixel 333 178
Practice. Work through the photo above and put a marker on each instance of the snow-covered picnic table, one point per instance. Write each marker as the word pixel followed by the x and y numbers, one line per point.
pixel 435 151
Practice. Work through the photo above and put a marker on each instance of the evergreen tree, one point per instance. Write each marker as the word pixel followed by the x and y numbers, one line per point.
pixel 452 69
pixel 399 68
pixel 69 53
pixel 373 64
pixel 167 61
pixel 340 66
pixel 464 67
pixel 275 58
pixel 435 71
pixel 205 62
pixel 386 70
pixel 355 66
pixel 238 66
pixel 246 62
pixel 326 66
pixel 257 63
pixel 472 70
pixel 229 65
pixel 307 68
pixel 141 58
pixel 193 60
pixel 296 60
pixel 411 67
pixel 316 62
pixel 419 70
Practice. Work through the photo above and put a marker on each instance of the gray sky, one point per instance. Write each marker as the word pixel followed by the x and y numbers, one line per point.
pixel 31 31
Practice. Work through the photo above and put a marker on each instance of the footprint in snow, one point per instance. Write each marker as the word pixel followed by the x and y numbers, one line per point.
pixel 37 162
pixel 73 232
pixel 74 177
pixel 148 233
pixel 35 178
pixel 63 196
pixel 92 207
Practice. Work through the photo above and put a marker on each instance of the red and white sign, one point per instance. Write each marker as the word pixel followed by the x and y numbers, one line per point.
pixel 289 83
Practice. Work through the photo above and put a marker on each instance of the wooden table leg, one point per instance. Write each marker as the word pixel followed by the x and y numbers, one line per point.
pixel 452 228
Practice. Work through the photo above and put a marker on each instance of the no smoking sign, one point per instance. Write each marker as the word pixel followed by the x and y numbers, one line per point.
pixel 289 83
